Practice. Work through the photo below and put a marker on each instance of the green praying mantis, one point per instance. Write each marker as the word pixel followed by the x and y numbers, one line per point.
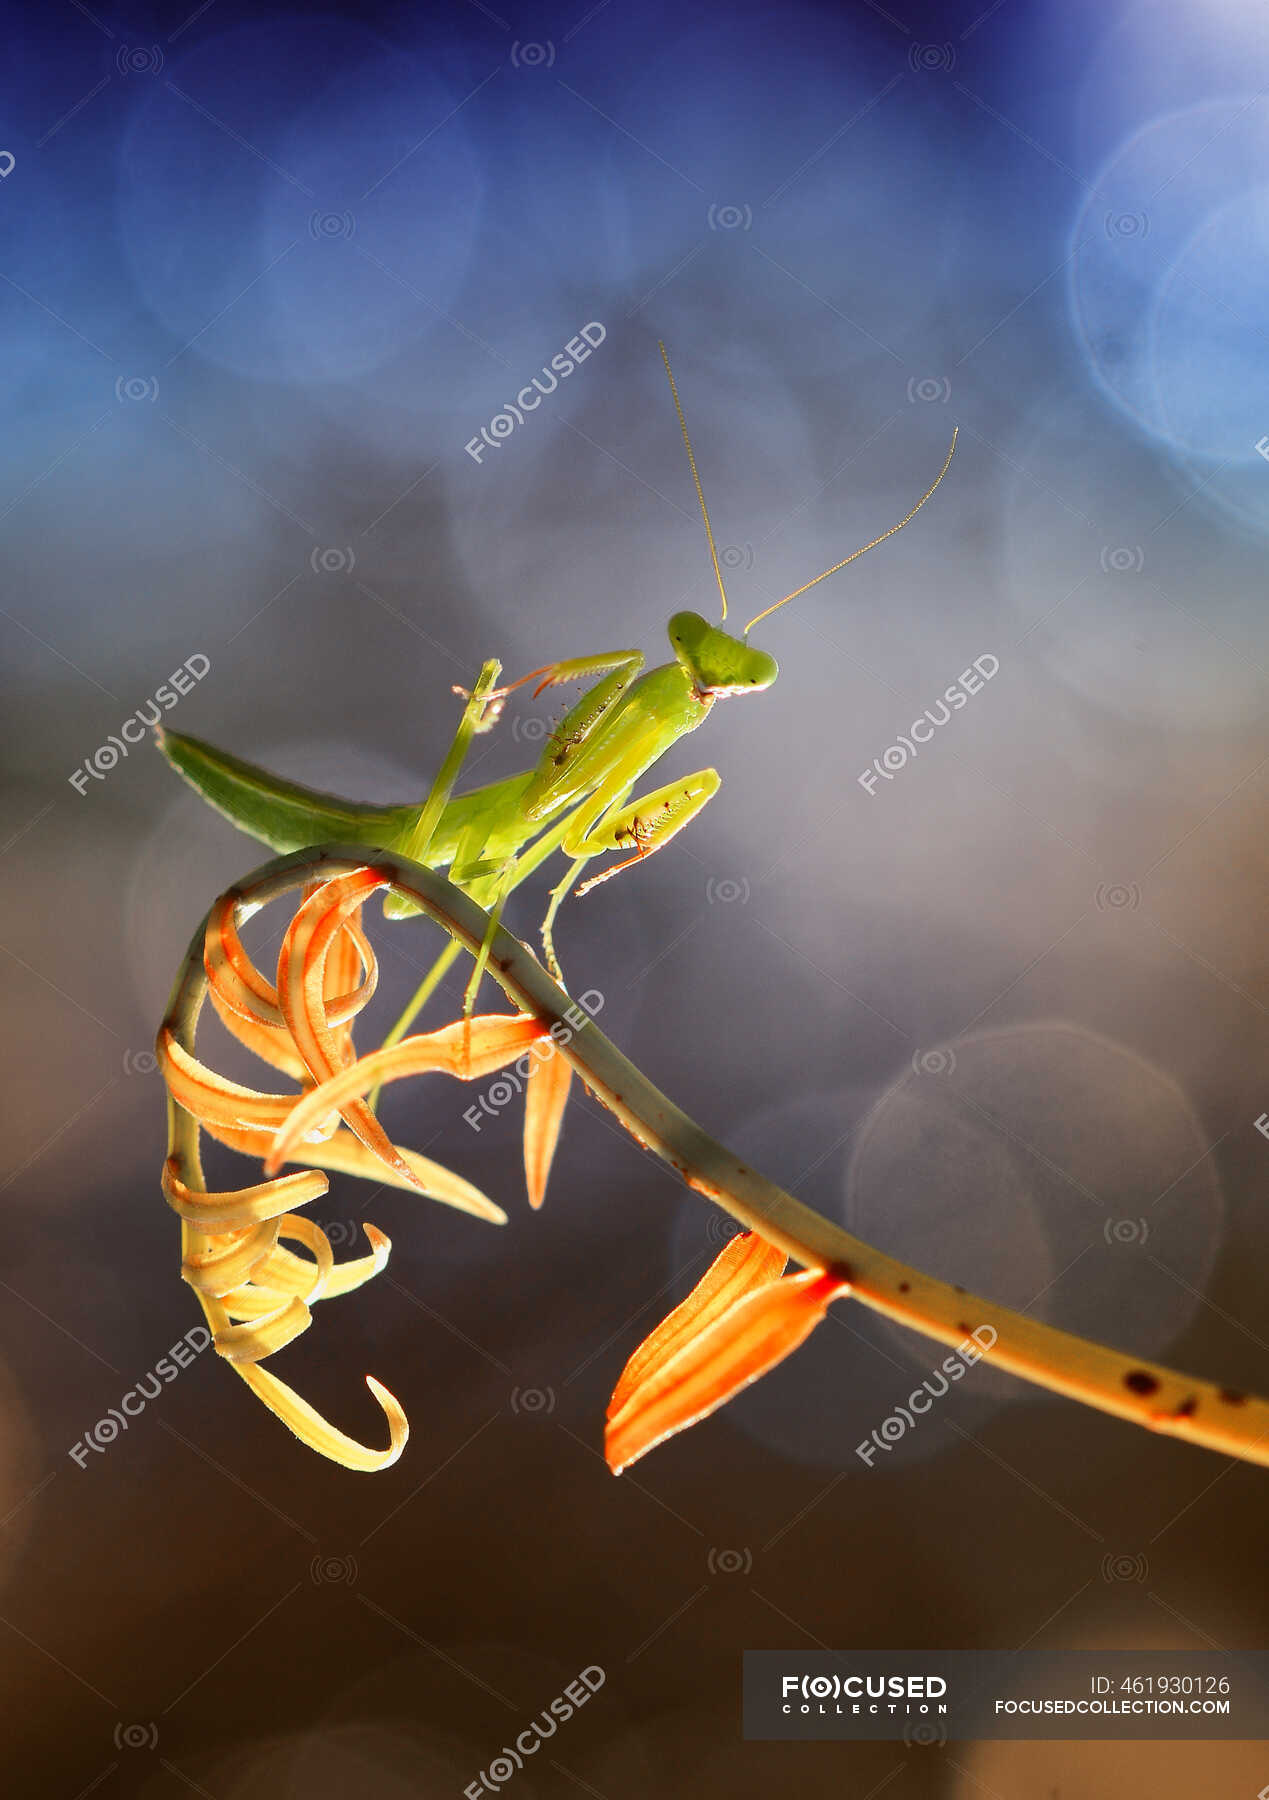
pixel 577 798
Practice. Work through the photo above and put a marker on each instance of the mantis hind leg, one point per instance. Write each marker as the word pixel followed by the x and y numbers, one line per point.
pixel 645 825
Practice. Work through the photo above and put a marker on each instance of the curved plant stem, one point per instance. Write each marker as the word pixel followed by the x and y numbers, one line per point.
pixel 1146 1394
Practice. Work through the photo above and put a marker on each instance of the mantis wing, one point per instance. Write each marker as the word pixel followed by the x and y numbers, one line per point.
pixel 283 814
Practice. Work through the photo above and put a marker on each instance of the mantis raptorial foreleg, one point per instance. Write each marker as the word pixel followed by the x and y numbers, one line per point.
pixel 648 823
pixel 614 823
pixel 565 669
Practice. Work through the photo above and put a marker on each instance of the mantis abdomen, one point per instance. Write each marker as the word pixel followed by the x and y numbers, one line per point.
pixel 288 816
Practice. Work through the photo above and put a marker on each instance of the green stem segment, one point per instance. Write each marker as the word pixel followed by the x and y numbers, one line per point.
pixel 1146 1394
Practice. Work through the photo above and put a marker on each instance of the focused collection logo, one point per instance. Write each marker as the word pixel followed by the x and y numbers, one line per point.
pixel 863 1693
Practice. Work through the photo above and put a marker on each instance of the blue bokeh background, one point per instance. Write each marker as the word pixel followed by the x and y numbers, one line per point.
pixel 265 273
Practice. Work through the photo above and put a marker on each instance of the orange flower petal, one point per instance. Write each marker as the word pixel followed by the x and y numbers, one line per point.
pixel 318 1433
pixel 254 1339
pixel 234 978
pixel 285 1273
pixel 751 1337
pixel 244 1206
pixel 346 1276
pixel 227 1261
pixel 280 1274
pixel 746 1263
pixel 349 957
pixel 469 1048
pixel 251 1302
pixel 545 1097
pixel 231 972
pixel 270 1043
pixel 341 972
pixel 301 994
pixel 343 964
pixel 352 975
pixel 348 1155
pixel 210 1097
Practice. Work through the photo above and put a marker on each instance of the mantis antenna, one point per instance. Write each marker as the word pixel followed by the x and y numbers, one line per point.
pixel 862 552
pixel 700 492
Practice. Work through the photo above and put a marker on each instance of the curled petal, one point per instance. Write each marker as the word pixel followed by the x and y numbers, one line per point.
pixel 252 1302
pixel 286 1274
pixel 265 1292
pixel 315 1431
pixel 343 1002
pixel 213 1100
pixel 348 1156
pixel 469 1048
pixel 236 982
pixel 745 1264
pixel 326 1128
pixel 273 1282
pixel 347 951
pixel 545 1097
pixel 257 1338
pixel 244 1206
pixel 301 994
pixel 314 956
pixel 753 1335
pixel 225 1264
pixel 269 1044
pixel 231 972
pixel 344 1277
pixel 350 954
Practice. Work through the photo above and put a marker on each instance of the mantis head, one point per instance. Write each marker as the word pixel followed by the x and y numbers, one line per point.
pixel 717 662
